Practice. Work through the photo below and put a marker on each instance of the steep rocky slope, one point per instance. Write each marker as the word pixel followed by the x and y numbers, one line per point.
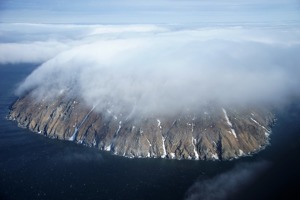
pixel 213 132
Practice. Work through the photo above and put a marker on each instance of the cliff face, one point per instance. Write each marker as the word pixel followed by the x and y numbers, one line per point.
pixel 211 133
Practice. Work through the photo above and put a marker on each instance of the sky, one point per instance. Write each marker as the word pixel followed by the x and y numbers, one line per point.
pixel 155 11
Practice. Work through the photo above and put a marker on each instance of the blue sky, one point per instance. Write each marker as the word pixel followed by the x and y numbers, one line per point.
pixel 155 11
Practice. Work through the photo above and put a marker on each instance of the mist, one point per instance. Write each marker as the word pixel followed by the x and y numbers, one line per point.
pixel 160 68
pixel 228 184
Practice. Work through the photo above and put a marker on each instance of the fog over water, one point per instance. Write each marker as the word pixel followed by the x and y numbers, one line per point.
pixel 228 183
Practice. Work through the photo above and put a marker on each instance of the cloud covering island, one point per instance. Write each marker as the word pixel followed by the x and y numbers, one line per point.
pixel 157 67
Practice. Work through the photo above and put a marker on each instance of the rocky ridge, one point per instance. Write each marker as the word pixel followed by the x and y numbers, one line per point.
pixel 211 133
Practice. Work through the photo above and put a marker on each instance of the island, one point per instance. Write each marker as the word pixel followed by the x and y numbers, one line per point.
pixel 210 132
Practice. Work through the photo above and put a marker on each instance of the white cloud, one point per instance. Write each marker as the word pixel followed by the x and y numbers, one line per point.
pixel 35 52
pixel 167 68
pixel 40 42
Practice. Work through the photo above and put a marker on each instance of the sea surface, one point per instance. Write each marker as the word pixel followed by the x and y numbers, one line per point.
pixel 35 167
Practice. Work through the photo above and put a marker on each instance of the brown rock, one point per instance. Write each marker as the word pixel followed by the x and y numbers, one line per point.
pixel 211 133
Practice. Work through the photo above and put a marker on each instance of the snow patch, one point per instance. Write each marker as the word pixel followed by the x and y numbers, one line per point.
pixel 130 156
pixel 172 155
pixel 149 142
pixel 72 138
pixel 254 120
pixel 164 147
pixel 267 134
pixel 194 141
pixel 192 126
pixel 215 156
pixel 119 128
pixel 233 132
pixel 107 148
pixel 258 123
pixel 229 123
pixel 226 117
pixel 241 152
pixel 158 123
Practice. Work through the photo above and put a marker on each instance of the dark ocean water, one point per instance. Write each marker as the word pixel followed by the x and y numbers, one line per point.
pixel 35 167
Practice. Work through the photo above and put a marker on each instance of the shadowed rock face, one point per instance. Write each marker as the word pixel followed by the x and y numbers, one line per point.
pixel 213 132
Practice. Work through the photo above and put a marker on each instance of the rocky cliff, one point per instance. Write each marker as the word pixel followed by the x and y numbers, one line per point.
pixel 211 133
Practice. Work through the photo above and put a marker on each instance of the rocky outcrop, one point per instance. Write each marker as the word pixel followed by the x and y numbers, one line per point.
pixel 210 133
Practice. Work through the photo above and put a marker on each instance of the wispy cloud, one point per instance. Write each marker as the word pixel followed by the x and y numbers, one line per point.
pixel 167 68
pixel 228 184
pixel 36 52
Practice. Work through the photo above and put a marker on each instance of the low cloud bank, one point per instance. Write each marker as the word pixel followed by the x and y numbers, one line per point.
pixel 228 184
pixel 33 52
pixel 152 68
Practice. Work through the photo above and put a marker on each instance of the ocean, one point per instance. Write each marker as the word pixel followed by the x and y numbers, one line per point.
pixel 35 167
